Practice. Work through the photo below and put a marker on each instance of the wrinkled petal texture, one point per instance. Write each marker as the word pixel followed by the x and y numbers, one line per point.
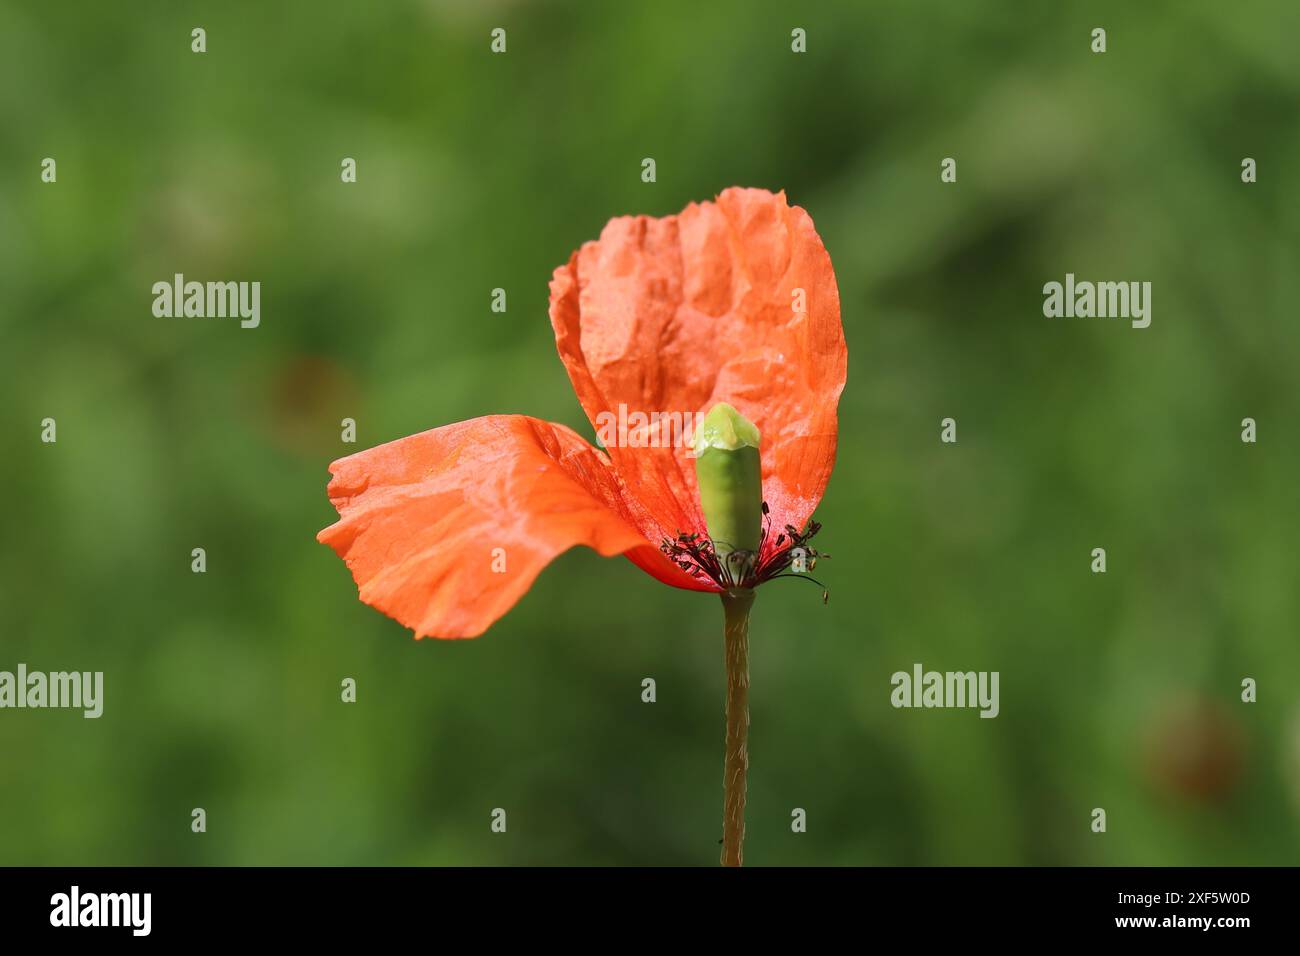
pixel 421 519
pixel 676 314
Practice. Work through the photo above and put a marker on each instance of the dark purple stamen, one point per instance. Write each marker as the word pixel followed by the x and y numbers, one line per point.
pixel 695 554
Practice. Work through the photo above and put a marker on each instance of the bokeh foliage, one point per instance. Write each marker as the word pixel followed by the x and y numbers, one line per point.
pixel 481 171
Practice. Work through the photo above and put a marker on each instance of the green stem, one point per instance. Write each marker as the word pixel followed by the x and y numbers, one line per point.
pixel 735 606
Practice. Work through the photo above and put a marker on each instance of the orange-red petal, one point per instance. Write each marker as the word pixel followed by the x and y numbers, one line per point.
pixel 676 314
pixel 421 519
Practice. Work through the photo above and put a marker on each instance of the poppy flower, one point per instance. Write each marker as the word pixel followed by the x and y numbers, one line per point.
pixel 725 316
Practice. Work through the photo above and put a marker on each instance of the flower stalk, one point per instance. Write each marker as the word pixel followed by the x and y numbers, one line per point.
pixel 735 606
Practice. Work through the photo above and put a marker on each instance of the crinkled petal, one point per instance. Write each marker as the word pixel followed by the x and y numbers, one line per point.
pixel 673 315
pixel 445 530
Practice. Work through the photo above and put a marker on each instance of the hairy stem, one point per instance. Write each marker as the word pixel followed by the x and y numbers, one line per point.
pixel 735 606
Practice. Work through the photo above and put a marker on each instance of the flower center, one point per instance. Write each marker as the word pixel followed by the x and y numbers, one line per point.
pixel 789 556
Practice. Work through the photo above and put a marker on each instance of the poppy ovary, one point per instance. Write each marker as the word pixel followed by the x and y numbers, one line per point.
pixel 729 474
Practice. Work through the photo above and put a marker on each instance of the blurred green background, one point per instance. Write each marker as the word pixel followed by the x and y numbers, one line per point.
pixel 479 171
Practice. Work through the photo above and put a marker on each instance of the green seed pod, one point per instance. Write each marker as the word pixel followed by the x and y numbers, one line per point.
pixel 731 486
